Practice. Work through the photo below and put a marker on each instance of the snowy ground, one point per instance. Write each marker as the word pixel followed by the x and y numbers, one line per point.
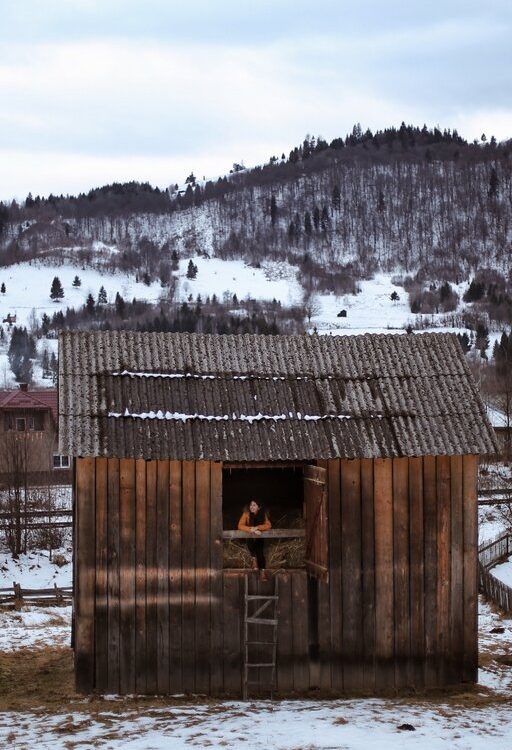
pixel 54 717
pixel 480 719
pixel 227 277
pixel 34 627
pixel 35 570
pixel 300 725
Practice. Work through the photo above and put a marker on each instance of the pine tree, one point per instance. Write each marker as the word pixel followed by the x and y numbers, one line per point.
pixel 54 366
pixel 2 288
pixel 45 364
pixel 493 184
pixel 45 324
pixel 120 305
pixel 308 227
pixel 77 282
pixel 56 291
pixel 273 210
pixel 464 342
pixel 482 339
pixel 89 304
pixel 316 217
pixel 102 296
pixel 191 270
pixel 336 198
pixel 22 349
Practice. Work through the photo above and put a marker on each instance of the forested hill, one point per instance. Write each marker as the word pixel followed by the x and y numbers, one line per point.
pixel 400 199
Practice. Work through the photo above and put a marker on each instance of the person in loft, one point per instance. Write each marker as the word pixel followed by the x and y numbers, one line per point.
pixel 254 520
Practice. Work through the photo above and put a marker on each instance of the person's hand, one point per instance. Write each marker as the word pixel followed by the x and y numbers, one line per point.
pixel 257 531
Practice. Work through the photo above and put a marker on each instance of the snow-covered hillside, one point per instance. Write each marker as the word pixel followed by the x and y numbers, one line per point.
pixel 224 278
pixel 27 288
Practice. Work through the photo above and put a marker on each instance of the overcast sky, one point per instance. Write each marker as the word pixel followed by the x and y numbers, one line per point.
pixel 93 91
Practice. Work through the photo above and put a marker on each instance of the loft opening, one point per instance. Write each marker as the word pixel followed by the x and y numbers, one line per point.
pixel 295 498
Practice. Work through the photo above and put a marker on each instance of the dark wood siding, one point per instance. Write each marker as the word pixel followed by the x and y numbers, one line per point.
pixel 156 613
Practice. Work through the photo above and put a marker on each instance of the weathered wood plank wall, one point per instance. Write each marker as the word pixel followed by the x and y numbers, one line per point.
pixel 155 612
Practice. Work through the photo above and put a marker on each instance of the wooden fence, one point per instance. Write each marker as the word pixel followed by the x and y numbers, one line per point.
pixel 490 554
pixel 16 595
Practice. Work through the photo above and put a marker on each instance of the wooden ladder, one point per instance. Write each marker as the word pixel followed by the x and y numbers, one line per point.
pixel 263 603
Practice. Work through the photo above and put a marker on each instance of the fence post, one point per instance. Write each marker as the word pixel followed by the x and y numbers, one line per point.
pixel 58 594
pixel 18 598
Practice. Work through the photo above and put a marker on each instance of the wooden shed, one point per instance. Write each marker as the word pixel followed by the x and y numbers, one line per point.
pixel 372 441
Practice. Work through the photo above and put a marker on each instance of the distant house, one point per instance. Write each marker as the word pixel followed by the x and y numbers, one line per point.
pixel 342 314
pixel 28 438
pixel 503 428
pixel 372 441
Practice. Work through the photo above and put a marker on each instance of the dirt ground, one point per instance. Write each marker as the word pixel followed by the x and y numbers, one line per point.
pixel 43 679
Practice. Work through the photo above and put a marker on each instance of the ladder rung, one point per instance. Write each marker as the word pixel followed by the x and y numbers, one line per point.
pixel 251 597
pixel 261 665
pixel 260 683
pixel 258 621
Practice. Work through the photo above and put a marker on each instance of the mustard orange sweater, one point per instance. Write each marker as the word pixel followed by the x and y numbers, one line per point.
pixel 244 525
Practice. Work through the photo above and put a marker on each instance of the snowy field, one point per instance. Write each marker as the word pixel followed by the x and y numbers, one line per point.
pixel 28 288
pixel 227 277
pixel 373 311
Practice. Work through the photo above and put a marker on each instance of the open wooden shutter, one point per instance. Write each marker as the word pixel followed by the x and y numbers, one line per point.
pixel 316 556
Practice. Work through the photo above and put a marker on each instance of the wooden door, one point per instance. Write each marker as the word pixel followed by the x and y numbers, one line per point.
pixel 316 557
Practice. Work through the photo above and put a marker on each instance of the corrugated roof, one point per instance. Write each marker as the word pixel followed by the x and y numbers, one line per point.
pixel 31 399
pixel 258 398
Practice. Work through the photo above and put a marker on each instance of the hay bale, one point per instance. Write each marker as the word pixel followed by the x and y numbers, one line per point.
pixel 279 553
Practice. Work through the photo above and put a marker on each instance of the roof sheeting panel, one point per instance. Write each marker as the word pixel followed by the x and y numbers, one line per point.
pixel 259 398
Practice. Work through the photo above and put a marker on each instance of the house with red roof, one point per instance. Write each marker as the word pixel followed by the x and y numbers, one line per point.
pixel 29 438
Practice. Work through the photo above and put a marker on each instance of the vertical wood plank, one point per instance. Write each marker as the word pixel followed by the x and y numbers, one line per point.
pixel 232 605
pixel 335 579
pixel 430 538
pixel 189 575
pixel 401 571
pixel 216 563
pixel 151 578
pixel 351 564
pixel 324 615
pixel 162 562
pixel 175 577
pixel 368 572
pixel 443 565
pixel 299 632
pixel 202 589
pixel 470 477
pixel 324 634
pixel 417 559
pixel 284 634
pixel 431 572
pixel 456 616
pixel 101 612
pixel 140 577
pixel 86 578
pixel 113 576
pixel 127 575
pixel 384 598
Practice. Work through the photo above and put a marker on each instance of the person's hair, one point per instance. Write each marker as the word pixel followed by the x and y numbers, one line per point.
pixel 253 500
